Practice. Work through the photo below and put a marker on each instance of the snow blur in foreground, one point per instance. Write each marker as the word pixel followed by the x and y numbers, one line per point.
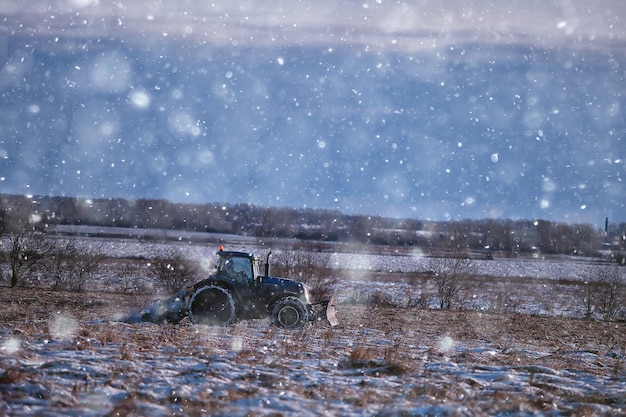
pixel 254 368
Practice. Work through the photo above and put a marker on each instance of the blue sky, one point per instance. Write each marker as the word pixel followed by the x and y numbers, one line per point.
pixel 420 110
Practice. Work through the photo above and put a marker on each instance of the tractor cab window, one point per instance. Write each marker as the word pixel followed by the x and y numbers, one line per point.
pixel 236 268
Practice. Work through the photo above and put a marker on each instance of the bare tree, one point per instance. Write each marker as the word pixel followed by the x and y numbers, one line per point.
pixel 451 276
pixel 25 238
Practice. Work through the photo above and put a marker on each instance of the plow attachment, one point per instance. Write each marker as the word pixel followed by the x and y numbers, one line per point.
pixel 331 311
pixel 327 312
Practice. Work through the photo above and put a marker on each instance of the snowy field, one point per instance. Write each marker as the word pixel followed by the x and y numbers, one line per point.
pixel 536 286
pixel 378 362
pixel 345 257
pixel 67 354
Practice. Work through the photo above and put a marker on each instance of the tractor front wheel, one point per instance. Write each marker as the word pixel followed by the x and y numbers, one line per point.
pixel 212 305
pixel 289 313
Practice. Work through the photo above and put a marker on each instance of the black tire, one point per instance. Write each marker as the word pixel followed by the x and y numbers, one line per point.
pixel 212 305
pixel 289 313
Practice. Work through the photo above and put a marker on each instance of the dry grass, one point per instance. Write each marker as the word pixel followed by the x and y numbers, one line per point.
pixel 373 343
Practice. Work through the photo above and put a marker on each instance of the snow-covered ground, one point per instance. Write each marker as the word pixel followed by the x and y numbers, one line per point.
pixel 66 356
pixel 193 247
pixel 106 369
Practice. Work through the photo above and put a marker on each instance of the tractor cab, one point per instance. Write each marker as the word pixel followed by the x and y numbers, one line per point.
pixel 239 266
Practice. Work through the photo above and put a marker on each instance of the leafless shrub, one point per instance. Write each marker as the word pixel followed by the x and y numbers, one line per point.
pixel 604 292
pixel 419 300
pixel 70 268
pixel 25 243
pixel 611 291
pixel 418 297
pixel 503 302
pixel 172 270
pixel 130 276
pixel 451 276
pixel 26 258
pixel 356 296
pixel 308 265
pixel 381 299
pixel 590 295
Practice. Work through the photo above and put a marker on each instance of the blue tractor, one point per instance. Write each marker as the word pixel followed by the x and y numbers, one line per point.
pixel 239 291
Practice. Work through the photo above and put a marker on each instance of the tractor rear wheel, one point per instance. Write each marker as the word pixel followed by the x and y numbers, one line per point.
pixel 212 305
pixel 289 313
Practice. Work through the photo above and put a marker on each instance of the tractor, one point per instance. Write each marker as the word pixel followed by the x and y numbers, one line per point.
pixel 238 291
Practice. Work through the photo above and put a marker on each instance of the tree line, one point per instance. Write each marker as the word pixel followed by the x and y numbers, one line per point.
pixel 487 236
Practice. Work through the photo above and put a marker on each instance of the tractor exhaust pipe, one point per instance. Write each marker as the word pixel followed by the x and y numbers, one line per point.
pixel 267 264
